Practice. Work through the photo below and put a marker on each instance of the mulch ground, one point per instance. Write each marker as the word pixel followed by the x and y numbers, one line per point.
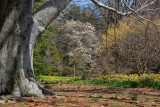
pixel 70 95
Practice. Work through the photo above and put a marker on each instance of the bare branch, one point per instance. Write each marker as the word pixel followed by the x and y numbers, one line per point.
pixel 136 13
pixel 139 2
pixel 147 20
pixel 110 8
pixel 151 9
pixel 145 5
pixel 131 10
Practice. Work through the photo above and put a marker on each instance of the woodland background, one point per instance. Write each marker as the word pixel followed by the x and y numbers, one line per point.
pixel 87 40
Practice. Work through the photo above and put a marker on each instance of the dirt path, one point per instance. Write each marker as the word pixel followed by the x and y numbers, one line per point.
pixel 69 95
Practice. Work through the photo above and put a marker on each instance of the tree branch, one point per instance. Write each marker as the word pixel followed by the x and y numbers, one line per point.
pixel 45 14
pixel 144 5
pixel 131 10
pixel 49 11
pixel 110 8
pixel 136 12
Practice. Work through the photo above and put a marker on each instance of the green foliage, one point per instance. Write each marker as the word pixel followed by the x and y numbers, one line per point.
pixel 114 84
pixel 44 48
pixel 37 4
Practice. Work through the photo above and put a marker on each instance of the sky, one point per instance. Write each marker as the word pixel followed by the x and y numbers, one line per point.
pixel 82 3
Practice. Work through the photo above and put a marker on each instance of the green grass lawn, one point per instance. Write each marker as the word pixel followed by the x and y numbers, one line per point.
pixel 114 82
pixel 57 79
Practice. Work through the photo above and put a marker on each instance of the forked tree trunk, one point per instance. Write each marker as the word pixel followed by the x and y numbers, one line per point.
pixel 19 29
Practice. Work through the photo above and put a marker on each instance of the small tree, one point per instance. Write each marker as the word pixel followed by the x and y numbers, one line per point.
pixel 78 62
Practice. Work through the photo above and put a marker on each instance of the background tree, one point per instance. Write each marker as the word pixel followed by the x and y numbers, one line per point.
pixel 77 43
pixel 47 60
pixel 112 11
pixel 83 14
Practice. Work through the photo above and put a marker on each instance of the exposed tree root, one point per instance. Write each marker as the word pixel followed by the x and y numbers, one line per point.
pixel 45 91
pixel 10 98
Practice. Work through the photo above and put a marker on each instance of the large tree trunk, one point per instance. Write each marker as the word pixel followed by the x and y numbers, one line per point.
pixel 19 29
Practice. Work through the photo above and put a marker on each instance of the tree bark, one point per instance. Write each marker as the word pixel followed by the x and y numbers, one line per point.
pixel 19 30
